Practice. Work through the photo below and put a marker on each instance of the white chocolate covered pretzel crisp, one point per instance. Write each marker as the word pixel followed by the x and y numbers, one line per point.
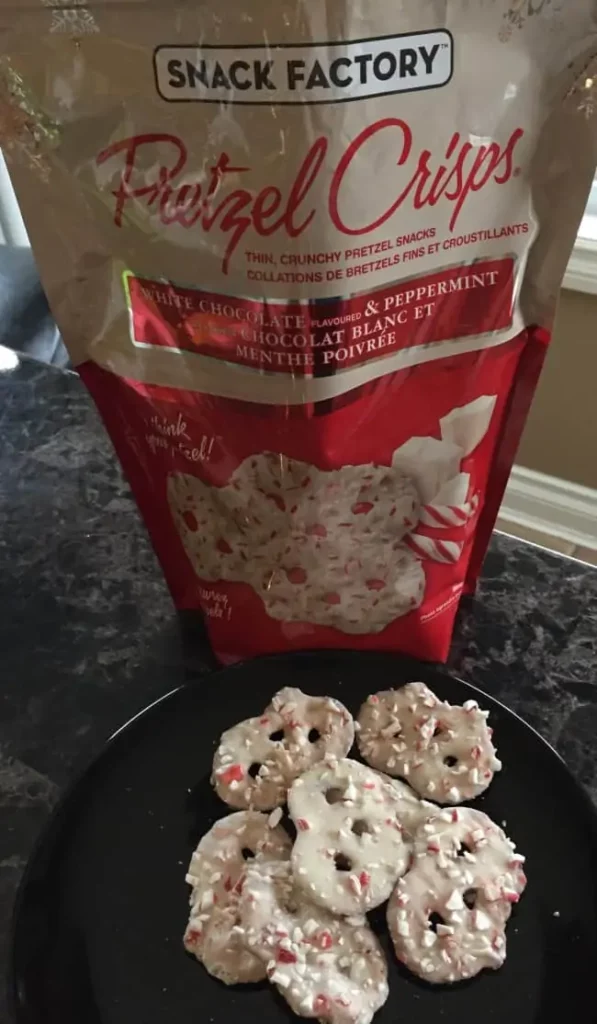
pixel 353 834
pixel 257 760
pixel 326 967
pixel 444 751
pixel 447 916
pixel 216 876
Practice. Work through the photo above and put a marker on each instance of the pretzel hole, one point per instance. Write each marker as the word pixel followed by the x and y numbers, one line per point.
pixel 462 849
pixel 254 769
pixel 450 762
pixel 342 862
pixel 334 795
pixel 314 735
pixel 434 920
pixel 470 898
pixel 438 729
pixel 277 736
pixel 247 853
pixel 360 827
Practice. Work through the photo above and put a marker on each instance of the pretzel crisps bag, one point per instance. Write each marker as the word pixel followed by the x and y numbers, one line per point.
pixel 305 257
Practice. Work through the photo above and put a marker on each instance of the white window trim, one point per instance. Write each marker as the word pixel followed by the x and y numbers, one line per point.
pixel 581 275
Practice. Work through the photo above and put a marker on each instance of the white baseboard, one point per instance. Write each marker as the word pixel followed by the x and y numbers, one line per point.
pixel 557 507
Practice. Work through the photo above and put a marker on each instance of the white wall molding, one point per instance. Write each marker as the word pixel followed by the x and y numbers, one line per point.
pixel 553 506
pixel 581 274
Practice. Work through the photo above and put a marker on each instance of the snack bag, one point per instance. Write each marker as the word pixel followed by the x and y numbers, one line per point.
pixel 305 257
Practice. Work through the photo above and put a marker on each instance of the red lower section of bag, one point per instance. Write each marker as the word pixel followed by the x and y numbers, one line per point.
pixel 452 425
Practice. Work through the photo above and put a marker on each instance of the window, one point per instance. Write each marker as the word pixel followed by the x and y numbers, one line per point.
pixel 590 218
pixel 581 275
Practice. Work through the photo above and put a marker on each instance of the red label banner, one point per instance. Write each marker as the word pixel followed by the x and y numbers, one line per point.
pixel 319 337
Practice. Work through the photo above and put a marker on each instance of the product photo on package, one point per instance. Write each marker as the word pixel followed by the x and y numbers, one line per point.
pixel 305 258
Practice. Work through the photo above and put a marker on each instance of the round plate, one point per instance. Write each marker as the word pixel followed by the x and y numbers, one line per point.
pixel 102 908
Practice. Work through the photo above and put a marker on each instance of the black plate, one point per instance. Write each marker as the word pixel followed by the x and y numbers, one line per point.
pixel 103 904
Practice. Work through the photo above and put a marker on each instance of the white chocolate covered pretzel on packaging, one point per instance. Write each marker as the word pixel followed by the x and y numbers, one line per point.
pixel 357 586
pixel 444 751
pixel 318 546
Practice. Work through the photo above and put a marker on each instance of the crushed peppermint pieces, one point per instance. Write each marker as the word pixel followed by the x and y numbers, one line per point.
pixel 233 773
pixel 467 936
pixel 275 817
pixel 438 742
pixel 454 901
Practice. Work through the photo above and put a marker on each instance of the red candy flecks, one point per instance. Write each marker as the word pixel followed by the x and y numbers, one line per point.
pixel 232 774
pixel 190 521
pixel 361 508
pixel 325 940
pixel 285 956
pixel 296 575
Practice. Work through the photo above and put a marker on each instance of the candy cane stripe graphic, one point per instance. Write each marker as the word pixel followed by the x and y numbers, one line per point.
pixel 446 551
pixel 446 515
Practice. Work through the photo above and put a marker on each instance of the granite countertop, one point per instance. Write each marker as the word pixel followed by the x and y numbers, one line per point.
pixel 89 637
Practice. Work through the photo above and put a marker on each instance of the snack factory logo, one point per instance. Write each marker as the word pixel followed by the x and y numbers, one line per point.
pixel 321 73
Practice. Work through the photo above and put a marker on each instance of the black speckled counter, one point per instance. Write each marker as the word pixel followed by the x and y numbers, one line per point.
pixel 88 635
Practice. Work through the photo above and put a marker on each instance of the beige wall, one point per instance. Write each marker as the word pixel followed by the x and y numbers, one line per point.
pixel 561 434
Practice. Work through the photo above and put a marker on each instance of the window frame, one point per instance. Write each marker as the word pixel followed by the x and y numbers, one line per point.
pixel 581 275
